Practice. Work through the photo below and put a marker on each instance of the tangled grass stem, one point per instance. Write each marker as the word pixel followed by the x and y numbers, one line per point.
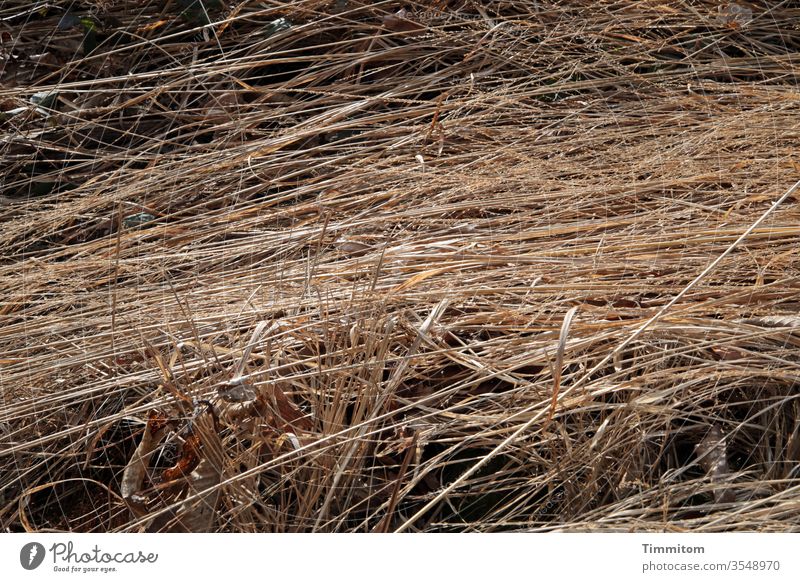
pixel 399 266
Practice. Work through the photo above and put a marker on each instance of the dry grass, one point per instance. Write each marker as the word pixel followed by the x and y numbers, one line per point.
pixel 377 247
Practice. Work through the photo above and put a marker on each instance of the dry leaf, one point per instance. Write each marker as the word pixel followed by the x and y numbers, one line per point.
pixel 712 454
pixel 727 353
pixel 562 344
pixel 353 248
pixel 198 513
pixel 190 458
pixel 287 410
pixel 136 470
pixel 734 15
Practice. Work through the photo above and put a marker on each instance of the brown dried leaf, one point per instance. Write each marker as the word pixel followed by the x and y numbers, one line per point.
pixel 727 353
pixel 712 454
pixel 734 16
pixel 288 411
pixel 136 470
pixel 562 345
pixel 190 458
pixel 198 514
pixel 353 248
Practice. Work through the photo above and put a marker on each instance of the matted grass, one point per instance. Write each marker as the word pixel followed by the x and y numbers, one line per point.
pixel 399 267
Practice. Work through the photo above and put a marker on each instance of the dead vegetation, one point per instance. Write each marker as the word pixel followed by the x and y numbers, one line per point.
pixel 355 266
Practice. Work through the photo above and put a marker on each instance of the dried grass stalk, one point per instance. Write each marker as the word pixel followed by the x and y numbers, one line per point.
pixel 307 234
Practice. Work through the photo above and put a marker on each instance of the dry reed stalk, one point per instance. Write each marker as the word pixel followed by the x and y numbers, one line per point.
pixel 336 245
